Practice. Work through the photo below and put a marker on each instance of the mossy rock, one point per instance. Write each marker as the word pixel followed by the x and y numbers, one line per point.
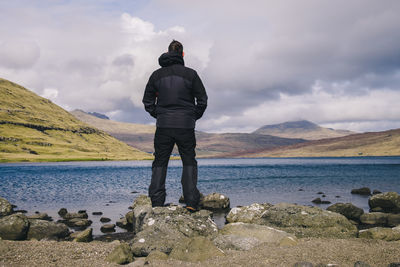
pixel 121 254
pixel 195 249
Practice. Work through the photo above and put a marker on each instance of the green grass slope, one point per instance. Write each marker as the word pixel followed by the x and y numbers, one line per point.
pixel 32 128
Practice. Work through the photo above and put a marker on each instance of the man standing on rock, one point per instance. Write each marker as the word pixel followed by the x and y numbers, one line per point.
pixel 176 97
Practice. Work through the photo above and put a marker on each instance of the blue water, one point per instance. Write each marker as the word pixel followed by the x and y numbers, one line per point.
pixel 107 186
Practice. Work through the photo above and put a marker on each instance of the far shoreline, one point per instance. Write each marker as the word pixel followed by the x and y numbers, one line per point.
pixel 175 158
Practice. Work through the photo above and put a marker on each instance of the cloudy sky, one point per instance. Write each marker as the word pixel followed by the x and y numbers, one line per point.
pixel 336 63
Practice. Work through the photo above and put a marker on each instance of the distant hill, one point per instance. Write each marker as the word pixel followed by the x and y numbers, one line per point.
pixel 32 128
pixel 386 143
pixel 208 144
pixel 301 129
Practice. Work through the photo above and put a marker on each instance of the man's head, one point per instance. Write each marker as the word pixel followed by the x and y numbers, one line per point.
pixel 175 46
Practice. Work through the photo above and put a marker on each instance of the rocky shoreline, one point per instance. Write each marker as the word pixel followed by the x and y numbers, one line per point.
pixel 173 236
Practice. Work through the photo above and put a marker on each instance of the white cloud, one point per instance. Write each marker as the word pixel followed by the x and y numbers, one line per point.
pixel 332 62
pixel 50 93
pixel 18 54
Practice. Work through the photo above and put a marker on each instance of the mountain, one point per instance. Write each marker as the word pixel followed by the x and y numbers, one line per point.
pixel 208 144
pixel 386 143
pixel 32 128
pixel 99 115
pixel 301 129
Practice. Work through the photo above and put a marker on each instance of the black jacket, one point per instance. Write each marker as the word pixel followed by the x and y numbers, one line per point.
pixel 175 94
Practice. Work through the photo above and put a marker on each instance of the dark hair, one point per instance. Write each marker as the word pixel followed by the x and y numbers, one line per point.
pixel 175 46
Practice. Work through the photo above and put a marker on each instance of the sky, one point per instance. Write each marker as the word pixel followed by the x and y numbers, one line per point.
pixel 335 63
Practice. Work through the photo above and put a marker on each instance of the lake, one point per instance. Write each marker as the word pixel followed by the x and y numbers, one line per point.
pixel 107 186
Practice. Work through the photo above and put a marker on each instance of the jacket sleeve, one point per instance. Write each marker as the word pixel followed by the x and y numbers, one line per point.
pixel 200 94
pixel 149 98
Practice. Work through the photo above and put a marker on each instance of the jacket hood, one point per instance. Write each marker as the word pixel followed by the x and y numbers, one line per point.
pixel 170 58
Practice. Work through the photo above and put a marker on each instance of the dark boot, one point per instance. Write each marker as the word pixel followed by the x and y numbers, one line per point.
pixel 157 191
pixel 189 185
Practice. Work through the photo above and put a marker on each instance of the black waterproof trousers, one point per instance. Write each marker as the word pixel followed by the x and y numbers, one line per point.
pixel 164 141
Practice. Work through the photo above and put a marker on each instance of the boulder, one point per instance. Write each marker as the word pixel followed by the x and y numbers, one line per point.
pixel 121 254
pixel 141 200
pixel 83 236
pixel 235 242
pixel 376 192
pixel 388 202
pixel 76 215
pixel 123 223
pixel 348 210
pixel 244 236
pixel 163 227
pixel 195 249
pixel 77 223
pixel 364 191
pixel 393 220
pixel 387 234
pixel 247 214
pixel 106 228
pixel 5 207
pixel 308 221
pixel 40 216
pixel 62 212
pixel 215 201
pixel 374 218
pixel 141 209
pixel 42 229
pixel 156 255
pixel 14 227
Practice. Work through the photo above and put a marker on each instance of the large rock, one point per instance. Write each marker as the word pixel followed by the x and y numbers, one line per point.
pixel 163 227
pixel 156 255
pixel 14 227
pixel 195 249
pixel 380 219
pixel 141 200
pixel 122 254
pixel 308 221
pixel 42 229
pixel 77 223
pixel 73 215
pixel 374 218
pixel 393 220
pixel 244 236
pixel 215 201
pixel 5 207
pixel 83 236
pixel 388 234
pixel 141 209
pixel 247 214
pixel 348 210
pixel 388 202
pixel 40 216
pixel 365 191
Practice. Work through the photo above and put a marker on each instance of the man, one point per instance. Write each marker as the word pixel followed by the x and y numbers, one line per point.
pixel 176 97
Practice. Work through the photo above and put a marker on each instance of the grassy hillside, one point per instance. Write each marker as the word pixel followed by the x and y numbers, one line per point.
pixel 208 144
pixel 385 143
pixel 301 129
pixel 32 128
